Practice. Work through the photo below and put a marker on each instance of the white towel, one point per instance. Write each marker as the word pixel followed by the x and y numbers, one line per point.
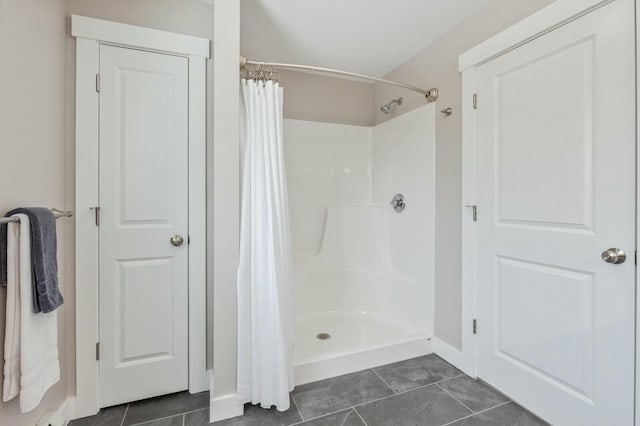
pixel 34 336
pixel 11 384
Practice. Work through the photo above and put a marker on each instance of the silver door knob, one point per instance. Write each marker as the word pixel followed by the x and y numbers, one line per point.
pixel 614 255
pixel 176 240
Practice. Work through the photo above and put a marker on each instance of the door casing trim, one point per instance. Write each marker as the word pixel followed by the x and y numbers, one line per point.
pixel 90 33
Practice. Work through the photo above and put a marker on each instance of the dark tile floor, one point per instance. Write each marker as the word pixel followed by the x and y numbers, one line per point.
pixel 167 410
pixel 422 391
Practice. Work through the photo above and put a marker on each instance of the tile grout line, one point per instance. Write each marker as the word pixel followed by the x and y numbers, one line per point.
pixel 293 398
pixel 463 404
pixel 320 416
pixel 409 390
pixel 476 414
pixel 383 380
pixel 126 410
pixel 354 407
pixel 405 391
pixel 380 399
pixel 194 411
pixel 154 420
pixel 183 414
pixel 325 415
pixel 358 413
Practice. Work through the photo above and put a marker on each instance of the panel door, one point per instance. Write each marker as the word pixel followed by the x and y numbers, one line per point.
pixel 143 203
pixel 555 185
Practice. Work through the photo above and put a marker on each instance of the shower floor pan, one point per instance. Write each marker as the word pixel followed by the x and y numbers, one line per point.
pixel 334 343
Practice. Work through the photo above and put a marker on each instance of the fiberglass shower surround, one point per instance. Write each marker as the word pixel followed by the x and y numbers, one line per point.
pixel 364 274
pixel 378 294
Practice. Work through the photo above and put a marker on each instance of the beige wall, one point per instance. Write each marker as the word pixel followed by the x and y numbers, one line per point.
pixel 33 169
pixel 192 17
pixel 314 97
pixel 437 66
pixel 37 100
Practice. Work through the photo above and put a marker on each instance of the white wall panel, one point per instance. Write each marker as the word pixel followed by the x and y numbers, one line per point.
pixel 327 164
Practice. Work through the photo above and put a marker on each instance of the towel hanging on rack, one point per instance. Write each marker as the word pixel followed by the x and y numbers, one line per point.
pixel 31 364
pixel 47 296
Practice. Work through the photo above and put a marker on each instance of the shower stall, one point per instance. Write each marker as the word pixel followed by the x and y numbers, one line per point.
pixel 364 270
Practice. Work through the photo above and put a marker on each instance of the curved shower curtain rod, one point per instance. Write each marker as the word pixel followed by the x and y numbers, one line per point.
pixel 431 94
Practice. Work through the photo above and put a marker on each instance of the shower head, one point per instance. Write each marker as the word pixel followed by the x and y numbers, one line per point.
pixel 386 108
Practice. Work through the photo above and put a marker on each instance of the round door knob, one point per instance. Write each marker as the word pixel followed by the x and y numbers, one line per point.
pixel 614 255
pixel 176 240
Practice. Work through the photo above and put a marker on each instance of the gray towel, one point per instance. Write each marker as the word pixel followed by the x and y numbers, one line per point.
pixel 44 260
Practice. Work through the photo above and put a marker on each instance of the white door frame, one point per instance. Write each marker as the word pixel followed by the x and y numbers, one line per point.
pixel 90 34
pixel 546 20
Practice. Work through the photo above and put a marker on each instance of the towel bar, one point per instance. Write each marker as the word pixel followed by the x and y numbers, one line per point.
pixel 57 213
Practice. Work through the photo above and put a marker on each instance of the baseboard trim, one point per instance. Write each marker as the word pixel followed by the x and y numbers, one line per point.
pixel 225 407
pixel 450 354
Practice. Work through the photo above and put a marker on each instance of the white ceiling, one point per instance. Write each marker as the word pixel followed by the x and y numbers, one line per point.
pixel 367 36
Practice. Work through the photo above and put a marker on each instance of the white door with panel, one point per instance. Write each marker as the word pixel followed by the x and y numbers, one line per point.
pixel 556 189
pixel 143 189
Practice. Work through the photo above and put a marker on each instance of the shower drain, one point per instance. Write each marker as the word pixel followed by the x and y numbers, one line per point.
pixel 323 336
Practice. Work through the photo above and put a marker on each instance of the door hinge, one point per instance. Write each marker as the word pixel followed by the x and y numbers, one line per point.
pixel 98 83
pixel 475 326
pixel 475 101
pixel 96 211
pixel 97 351
pixel 474 208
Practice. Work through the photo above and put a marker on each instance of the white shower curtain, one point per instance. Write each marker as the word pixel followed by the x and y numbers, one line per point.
pixel 265 274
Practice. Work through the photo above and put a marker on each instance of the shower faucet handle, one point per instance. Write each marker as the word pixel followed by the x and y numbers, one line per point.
pixel 398 203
